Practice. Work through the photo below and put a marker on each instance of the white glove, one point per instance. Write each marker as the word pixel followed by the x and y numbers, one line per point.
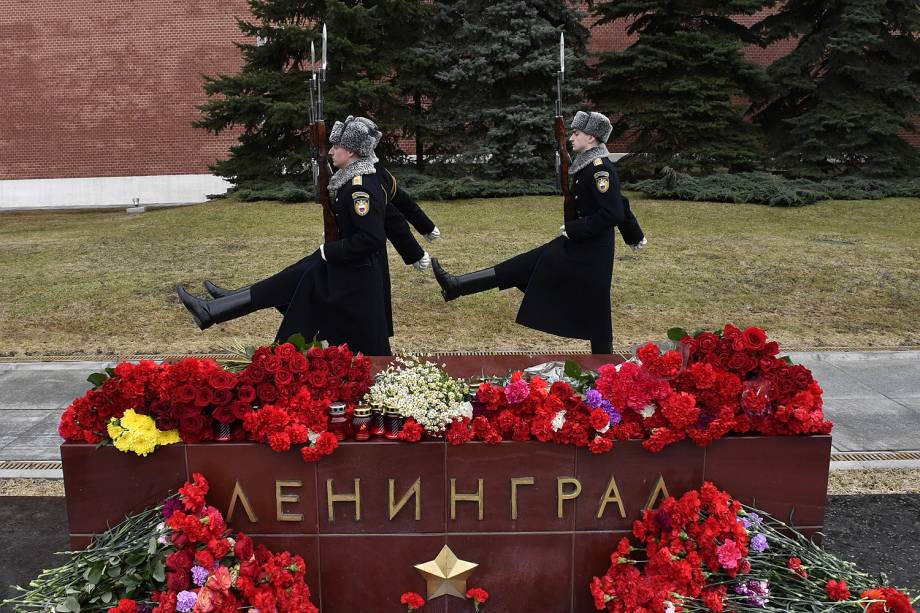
pixel 562 231
pixel 638 246
pixel 423 264
pixel 432 237
pixel 322 252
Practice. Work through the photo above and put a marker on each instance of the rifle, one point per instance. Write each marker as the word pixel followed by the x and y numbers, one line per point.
pixel 321 169
pixel 569 210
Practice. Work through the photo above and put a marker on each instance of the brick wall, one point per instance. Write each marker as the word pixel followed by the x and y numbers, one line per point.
pixel 97 89
pixel 94 88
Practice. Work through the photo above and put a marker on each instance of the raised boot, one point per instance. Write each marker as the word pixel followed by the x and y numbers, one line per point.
pixel 206 313
pixel 452 287
pixel 219 292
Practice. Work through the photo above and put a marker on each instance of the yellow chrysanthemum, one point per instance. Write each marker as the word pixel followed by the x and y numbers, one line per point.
pixel 133 421
pixel 168 437
pixel 138 433
pixel 114 429
pixel 137 442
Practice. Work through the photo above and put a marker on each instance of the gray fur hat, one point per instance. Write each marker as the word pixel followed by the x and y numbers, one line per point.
pixel 595 124
pixel 356 134
pixel 374 130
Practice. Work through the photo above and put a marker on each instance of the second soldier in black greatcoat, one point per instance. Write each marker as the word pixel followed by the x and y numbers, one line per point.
pixel 566 282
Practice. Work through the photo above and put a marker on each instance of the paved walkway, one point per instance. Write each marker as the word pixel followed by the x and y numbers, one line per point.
pixel 873 399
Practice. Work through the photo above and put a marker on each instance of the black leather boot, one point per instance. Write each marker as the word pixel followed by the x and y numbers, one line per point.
pixel 219 292
pixel 209 312
pixel 452 287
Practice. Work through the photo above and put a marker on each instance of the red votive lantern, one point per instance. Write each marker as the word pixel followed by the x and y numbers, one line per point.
pixel 338 422
pixel 360 423
pixel 393 423
pixel 376 426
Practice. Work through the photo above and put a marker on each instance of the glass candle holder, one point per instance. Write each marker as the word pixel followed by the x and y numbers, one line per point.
pixel 393 423
pixel 376 426
pixel 338 422
pixel 360 423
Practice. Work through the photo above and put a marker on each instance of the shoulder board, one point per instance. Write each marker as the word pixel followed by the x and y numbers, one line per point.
pixel 357 180
pixel 599 162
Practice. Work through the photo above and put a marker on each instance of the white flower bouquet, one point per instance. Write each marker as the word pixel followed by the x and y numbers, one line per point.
pixel 423 391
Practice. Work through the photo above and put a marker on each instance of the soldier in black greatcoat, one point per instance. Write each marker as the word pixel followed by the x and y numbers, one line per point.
pixel 396 221
pixel 566 282
pixel 341 291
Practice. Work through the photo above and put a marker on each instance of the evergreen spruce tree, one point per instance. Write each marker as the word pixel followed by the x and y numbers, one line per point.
pixel 269 98
pixel 679 91
pixel 493 89
pixel 848 90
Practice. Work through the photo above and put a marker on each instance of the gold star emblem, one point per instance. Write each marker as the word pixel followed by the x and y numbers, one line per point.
pixel 446 574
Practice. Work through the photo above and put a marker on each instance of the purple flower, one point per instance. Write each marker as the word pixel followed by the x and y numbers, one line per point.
pixel 199 575
pixel 517 391
pixel 593 398
pixel 185 600
pixel 756 590
pixel 171 506
pixel 615 416
pixel 759 543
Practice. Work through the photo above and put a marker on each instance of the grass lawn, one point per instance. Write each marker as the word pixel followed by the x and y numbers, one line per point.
pixel 833 274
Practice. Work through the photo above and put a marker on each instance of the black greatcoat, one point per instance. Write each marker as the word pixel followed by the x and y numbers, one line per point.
pixel 566 282
pixel 403 209
pixel 346 298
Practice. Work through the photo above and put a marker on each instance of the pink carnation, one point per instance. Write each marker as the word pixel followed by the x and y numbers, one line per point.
pixel 517 391
pixel 729 554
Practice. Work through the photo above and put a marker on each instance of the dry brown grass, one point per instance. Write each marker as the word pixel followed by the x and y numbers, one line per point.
pixel 841 274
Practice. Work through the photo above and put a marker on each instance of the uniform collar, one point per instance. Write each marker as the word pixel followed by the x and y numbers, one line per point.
pixel 361 166
pixel 587 156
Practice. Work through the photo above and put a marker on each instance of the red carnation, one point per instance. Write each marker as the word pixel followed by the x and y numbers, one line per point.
pixel 837 590
pixel 600 444
pixel 413 600
pixel 478 595
pixel 599 419
pixel 893 601
pixel 459 432
pixel 795 565
pixel 242 548
pixel 411 432
pixel 125 605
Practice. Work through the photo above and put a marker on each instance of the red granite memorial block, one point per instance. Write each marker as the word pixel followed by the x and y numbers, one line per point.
pixel 103 485
pixel 539 519
pixel 370 572
pixel 398 488
pixel 255 487
pixel 536 568
pixel 509 487
pixel 616 486
pixel 784 475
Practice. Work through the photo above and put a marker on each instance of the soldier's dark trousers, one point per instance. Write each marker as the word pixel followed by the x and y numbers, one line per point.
pixel 278 289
